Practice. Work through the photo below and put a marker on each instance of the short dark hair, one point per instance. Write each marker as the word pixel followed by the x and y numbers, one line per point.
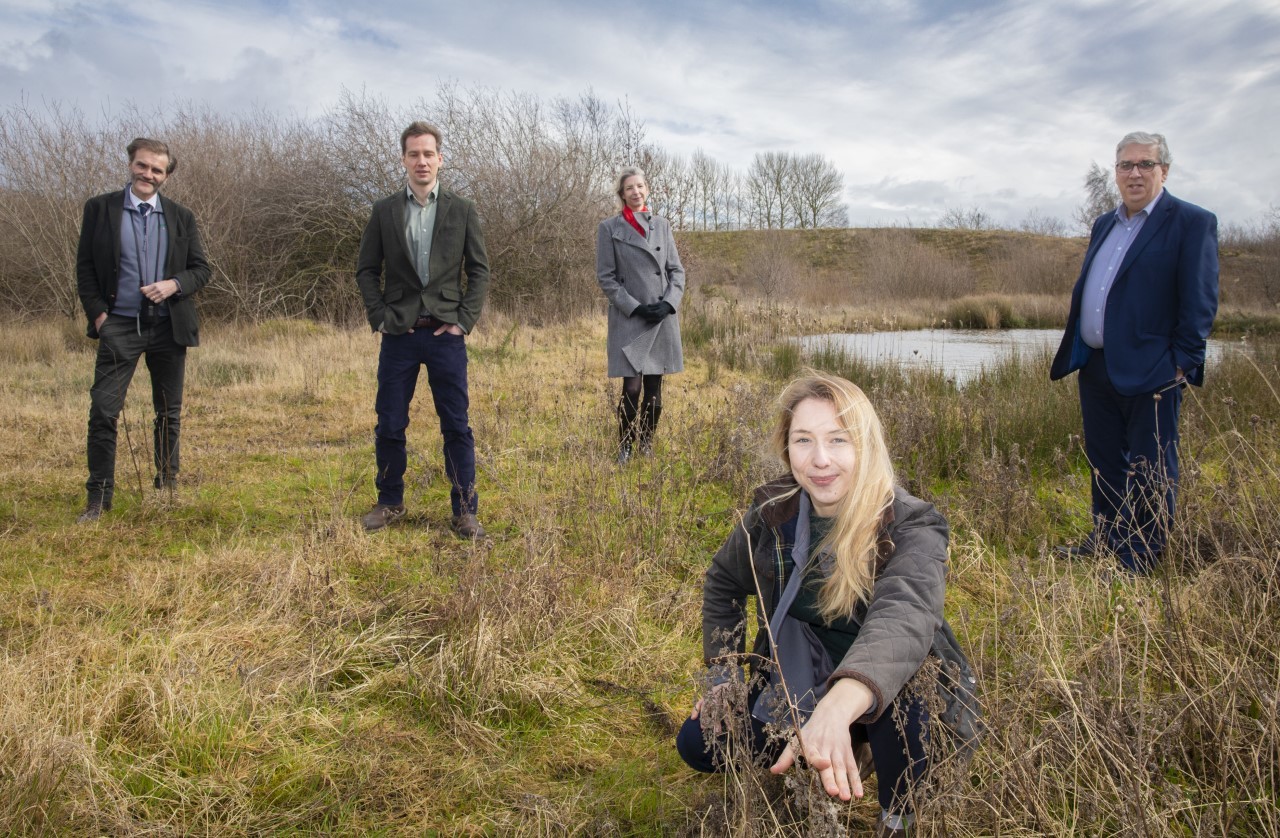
pixel 419 129
pixel 155 147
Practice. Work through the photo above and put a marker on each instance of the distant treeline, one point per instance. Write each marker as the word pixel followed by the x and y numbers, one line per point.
pixel 281 202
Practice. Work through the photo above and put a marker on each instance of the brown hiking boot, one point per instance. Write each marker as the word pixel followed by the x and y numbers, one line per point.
pixel 381 515
pixel 92 511
pixel 467 525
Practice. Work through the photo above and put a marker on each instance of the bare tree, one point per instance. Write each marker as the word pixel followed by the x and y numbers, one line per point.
pixel 282 202
pixel 1101 196
pixel 51 162
pixel 769 189
pixel 1042 225
pixel 816 187
pixel 972 218
pixel 673 188
pixel 706 182
pixel 542 178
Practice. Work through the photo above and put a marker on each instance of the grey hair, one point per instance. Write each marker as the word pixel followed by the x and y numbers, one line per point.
pixel 1143 138
pixel 628 172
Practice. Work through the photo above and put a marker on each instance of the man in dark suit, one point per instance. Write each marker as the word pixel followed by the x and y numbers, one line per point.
pixel 423 275
pixel 1140 317
pixel 138 267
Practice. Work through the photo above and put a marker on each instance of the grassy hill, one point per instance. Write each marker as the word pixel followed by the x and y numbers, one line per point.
pixel 914 277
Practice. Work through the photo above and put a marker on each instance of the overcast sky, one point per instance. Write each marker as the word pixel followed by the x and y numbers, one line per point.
pixel 924 105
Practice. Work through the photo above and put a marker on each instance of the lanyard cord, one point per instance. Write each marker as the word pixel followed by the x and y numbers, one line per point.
pixel 140 249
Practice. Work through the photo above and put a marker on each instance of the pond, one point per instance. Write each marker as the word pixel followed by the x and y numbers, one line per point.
pixel 959 353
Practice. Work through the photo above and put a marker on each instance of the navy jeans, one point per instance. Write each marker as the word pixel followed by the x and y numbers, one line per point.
pixel 1132 446
pixel 120 344
pixel 899 749
pixel 445 357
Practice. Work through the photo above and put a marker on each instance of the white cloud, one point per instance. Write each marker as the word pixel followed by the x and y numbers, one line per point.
pixel 923 104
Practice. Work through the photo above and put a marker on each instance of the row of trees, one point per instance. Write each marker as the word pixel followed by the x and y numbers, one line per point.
pixel 282 203
pixel 779 190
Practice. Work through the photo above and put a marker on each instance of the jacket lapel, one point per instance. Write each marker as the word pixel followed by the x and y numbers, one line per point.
pixel 624 231
pixel 1096 244
pixel 171 232
pixel 443 202
pixel 115 211
pixel 397 219
pixel 1148 232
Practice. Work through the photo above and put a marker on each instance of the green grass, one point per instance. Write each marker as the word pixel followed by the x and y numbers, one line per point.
pixel 242 659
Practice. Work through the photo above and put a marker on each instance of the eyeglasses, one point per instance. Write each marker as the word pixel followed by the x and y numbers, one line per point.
pixel 1129 165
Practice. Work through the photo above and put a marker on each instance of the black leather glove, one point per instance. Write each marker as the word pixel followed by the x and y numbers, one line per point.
pixel 651 312
pixel 667 308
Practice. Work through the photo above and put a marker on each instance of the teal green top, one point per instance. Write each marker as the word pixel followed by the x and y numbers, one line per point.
pixel 839 636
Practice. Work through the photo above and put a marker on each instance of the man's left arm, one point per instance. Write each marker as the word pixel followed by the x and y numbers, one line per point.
pixel 475 264
pixel 196 274
pixel 1197 284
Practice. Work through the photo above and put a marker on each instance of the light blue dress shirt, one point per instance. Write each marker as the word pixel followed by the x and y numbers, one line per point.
pixel 1104 268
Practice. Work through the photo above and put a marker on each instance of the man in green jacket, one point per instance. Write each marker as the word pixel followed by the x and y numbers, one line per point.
pixel 423 275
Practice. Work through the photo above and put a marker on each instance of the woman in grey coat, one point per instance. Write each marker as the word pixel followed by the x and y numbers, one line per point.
pixel 639 270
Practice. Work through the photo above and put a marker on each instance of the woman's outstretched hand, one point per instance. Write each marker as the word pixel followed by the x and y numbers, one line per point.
pixel 825 741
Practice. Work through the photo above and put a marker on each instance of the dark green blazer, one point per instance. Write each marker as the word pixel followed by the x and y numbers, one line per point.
pixel 459 271
pixel 98 262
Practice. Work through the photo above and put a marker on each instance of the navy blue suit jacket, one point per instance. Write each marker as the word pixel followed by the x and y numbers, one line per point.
pixel 1161 305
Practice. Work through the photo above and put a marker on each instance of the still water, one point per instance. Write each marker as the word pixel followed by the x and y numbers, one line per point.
pixel 959 353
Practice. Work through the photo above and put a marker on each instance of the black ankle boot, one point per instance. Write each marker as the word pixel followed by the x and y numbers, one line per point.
pixel 627 410
pixel 650 413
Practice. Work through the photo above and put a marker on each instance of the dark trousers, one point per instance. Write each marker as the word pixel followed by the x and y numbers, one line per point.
pixel 445 357
pixel 898 739
pixel 120 345
pixel 1132 446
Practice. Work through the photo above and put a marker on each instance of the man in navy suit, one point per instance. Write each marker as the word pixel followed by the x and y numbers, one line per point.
pixel 1140 317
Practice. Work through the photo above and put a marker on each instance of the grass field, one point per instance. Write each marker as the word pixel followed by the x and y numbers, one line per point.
pixel 240 658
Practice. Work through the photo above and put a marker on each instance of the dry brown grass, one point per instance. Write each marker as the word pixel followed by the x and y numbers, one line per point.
pixel 241 659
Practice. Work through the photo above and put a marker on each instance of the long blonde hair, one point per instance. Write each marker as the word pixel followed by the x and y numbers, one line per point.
pixel 855 536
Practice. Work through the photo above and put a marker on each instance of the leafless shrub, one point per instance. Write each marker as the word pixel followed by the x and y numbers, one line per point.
pixel 542 176
pixel 973 218
pixel 43 188
pixel 900 266
pixel 1042 225
pixel 1254 276
pixel 1024 265
pixel 772 267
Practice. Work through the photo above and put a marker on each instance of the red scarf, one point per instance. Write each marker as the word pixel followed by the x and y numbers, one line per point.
pixel 631 219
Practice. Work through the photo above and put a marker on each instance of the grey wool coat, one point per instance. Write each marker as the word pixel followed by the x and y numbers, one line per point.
pixel 898 629
pixel 633 271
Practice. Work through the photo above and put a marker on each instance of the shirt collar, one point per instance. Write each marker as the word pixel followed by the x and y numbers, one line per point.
pixel 132 202
pixel 1123 212
pixel 432 196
